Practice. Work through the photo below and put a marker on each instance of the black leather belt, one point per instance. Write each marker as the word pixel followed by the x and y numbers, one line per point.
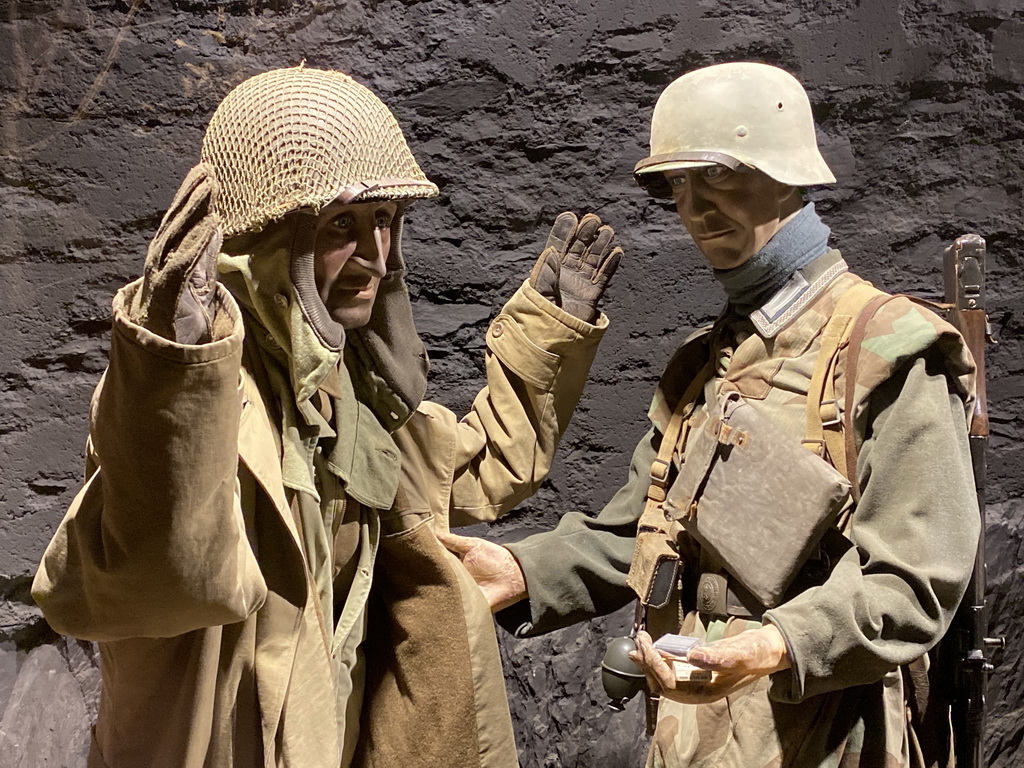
pixel 718 595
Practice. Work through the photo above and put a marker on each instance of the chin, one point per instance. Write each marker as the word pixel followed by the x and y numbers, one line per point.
pixel 351 318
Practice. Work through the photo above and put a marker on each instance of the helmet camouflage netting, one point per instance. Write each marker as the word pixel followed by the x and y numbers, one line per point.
pixel 299 137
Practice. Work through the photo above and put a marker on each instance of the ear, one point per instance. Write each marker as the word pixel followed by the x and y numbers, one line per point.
pixel 790 199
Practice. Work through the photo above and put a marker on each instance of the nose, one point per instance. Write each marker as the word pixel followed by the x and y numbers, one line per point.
pixel 371 250
pixel 694 204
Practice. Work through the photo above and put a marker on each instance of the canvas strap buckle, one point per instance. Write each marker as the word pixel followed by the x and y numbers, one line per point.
pixel 659 473
pixel 829 410
pixel 815 446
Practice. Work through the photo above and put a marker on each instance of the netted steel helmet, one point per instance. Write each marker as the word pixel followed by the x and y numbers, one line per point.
pixel 299 137
pixel 732 115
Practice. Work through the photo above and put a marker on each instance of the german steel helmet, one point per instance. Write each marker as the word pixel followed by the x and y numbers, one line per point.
pixel 734 114
pixel 297 137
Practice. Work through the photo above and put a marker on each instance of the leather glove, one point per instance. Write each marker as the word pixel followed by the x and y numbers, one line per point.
pixel 180 275
pixel 577 263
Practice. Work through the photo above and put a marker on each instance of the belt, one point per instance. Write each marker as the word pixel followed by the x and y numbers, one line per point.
pixel 718 595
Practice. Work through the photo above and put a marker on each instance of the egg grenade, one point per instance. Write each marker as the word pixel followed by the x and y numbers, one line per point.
pixel 620 675
pixel 298 137
pixel 734 114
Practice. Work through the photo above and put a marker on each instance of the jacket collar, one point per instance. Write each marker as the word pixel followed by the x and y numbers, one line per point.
pixel 796 295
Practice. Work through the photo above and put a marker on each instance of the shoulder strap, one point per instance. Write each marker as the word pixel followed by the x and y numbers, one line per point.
pixel 674 430
pixel 857 335
pixel 824 433
pixel 654 567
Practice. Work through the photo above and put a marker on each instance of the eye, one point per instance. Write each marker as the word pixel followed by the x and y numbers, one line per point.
pixel 713 172
pixel 382 220
pixel 344 221
pixel 677 181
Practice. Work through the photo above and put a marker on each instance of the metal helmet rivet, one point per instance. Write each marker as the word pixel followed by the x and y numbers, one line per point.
pixel 741 131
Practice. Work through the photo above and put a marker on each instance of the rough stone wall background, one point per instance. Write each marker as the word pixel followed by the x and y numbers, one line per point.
pixel 518 109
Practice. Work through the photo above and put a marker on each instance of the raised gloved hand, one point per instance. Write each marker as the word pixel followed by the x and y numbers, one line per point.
pixel 737 661
pixel 493 568
pixel 180 275
pixel 577 263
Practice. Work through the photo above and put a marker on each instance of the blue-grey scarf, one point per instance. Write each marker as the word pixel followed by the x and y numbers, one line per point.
pixel 803 239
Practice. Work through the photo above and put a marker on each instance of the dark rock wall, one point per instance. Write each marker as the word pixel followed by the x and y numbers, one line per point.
pixel 518 109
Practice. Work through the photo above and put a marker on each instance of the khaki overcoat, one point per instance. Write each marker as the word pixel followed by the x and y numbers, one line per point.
pixel 182 557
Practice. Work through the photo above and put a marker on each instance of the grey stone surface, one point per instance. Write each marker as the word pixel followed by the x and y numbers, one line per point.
pixel 48 713
pixel 518 109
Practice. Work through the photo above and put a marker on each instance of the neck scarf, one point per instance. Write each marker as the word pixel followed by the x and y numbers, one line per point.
pixel 800 241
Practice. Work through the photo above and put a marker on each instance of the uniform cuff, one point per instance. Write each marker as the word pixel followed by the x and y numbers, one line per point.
pixel 534 338
pixel 156 344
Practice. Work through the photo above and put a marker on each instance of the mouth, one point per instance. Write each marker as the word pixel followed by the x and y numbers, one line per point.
pixel 705 236
pixel 355 289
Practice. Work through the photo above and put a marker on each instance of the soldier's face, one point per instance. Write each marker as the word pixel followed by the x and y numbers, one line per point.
pixel 731 214
pixel 352 245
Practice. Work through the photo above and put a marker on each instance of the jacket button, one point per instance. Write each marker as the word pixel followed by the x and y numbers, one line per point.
pixel 497 329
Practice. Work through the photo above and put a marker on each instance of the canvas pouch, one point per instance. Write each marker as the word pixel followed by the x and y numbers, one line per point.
pixel 756 499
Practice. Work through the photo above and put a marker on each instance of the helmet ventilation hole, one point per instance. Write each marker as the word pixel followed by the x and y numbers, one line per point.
pixel 779 106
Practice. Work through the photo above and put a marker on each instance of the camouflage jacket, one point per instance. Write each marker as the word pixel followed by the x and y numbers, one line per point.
pixel 885 601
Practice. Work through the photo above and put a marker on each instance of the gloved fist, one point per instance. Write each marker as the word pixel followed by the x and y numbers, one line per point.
pixel 577 262
pixel 180 275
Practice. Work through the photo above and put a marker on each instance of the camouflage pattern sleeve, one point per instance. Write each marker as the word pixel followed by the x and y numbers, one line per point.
pixel 893 594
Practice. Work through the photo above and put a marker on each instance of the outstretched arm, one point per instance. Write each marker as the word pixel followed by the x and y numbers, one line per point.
pixel 570 574
pixel 539 351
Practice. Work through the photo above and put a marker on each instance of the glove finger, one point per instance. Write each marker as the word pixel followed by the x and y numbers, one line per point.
pixel 606 270
pixel 197 251
pixel 199 187
pixel 585 233
pixel 562 231
pixel 544 275
pixel 598 249
pixel 190 205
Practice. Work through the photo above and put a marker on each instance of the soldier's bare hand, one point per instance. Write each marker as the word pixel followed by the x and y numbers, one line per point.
pixel 578 261
pixel 736 662
pixel 493 567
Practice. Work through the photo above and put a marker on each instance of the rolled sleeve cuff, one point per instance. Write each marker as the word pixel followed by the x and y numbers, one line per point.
pixel 533 337
pixel 787 686
pixel 172 351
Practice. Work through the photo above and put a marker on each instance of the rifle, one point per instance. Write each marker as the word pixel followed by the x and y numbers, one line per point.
pixel 964 268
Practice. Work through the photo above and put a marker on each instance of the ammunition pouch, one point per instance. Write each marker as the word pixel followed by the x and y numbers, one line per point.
pixel 755 498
